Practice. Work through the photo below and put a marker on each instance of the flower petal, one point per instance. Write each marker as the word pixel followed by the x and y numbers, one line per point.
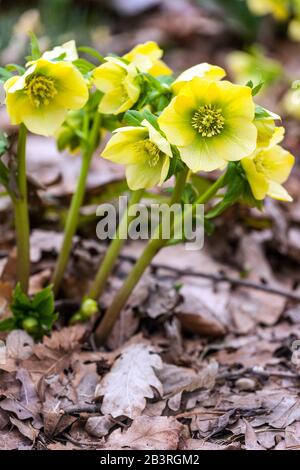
pixel 277 163
pixel 175 121
pixel 204 70
pixel 237 140
pixel 120 149
pixel 201 155
pixel 237 101
pixel 44 120
pixel 258 182
pixel 158 139
pixel 142 176
pixel 277 191
pixel 72 89
pixel 108 76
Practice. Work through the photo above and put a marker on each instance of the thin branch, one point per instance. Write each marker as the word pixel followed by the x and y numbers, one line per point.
pixel 223 278
pixel 74 410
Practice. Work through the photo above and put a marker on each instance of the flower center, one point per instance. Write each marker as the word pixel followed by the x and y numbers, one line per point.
pixel 261 164
pixel 208 120
pixel 40 90
pixel 151 150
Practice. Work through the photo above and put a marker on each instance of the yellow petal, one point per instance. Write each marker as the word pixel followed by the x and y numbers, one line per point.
pixel 68 48
pixel 236 101
pixel 120 148
pixel 258 182
pixel 198 89
pixel 15 102
pixel 72 89
pixel 204 70
pixel 201 155
pixel 277 191
pixel 277 163
pixel 149 48
pixel 160 68
pixel 114 102
pixel 158 139
pixel 175 121
pixel 44 120
pixel 108 76
pixel 131 84
pixel 237 140
pixel 277 137
pixel 142 176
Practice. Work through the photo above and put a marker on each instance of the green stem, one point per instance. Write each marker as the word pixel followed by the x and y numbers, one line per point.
pixel 21 214
pixel 212 190
pixel 114 249
pixel 152 248
pixel 73 214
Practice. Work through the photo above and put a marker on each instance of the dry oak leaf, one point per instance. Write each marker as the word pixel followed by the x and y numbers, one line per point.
pixel 148 433
pixel 19 345
pixel 99 426
pixel 130 381
pixel 13 439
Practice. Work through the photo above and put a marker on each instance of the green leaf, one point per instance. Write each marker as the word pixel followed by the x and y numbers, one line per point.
pixel 209 226
pixel 256 89
pixel 92 52
pixel 4 74
pixel 263 113
pixel 151 118
pixel 235 185
pixel 34 47
pixel 15 68
pixel 189 194
pixel 7 324
pixel 133 118
pixel 3 143
pixel 43 302
pixel 4 175
pixel 176 164
pixel 84 66
pixel 40 310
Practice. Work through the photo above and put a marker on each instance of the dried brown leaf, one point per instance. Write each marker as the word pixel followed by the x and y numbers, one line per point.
pixel 130 381
pixel 145 433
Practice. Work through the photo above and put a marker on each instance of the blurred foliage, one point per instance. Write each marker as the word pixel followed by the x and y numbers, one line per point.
pixel 237 15
pixel 60 19
pixel 254 65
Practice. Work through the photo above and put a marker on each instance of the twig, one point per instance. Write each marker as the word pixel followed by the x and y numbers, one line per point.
pixel 74 410
pixel 263 374
pixel 223 278
pixel 81 443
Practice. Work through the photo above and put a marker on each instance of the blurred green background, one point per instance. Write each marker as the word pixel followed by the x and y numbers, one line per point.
pixel 251 38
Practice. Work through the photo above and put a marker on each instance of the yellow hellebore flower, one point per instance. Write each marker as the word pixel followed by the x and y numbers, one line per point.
pixel 278 8
pixel 147 57
pixel 210 123
pixel 144 151
pixel 204 70
pixel 119 83
pixel 291 103
pixel 294 29
pixel 42 96
pixel 267 168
